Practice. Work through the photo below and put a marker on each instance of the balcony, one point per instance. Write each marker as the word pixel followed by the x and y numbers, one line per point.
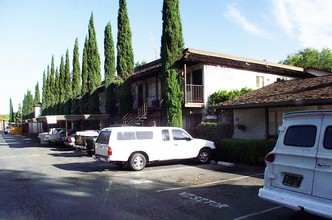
pixel 194 96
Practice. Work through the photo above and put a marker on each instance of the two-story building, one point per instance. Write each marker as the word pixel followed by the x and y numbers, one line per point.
pixel 204 73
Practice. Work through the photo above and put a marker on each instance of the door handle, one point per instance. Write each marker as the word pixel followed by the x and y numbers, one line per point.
pixel 324 165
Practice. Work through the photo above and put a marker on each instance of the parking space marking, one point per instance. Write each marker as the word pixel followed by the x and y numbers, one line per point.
pixel 209 183
pixel 258 213
pixel 156 171
pixel 200 199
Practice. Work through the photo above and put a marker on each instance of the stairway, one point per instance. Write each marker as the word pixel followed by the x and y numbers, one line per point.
pixel 136 118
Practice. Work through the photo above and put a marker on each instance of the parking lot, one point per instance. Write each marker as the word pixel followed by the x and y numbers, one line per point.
pixel 57 182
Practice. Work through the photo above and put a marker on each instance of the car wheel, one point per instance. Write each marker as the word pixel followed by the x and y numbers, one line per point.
pixel 204 156
pixel 137 162
pixel 90 153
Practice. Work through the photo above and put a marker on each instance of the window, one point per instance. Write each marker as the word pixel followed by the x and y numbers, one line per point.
pixel 259 82
pixel 300 136
pixel 180 135
pixel 328 138
pixel 165 135
pixel 143 135
pixel 103 137
pixel 126 136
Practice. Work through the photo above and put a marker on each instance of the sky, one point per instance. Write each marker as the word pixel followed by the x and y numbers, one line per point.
pixel 32 31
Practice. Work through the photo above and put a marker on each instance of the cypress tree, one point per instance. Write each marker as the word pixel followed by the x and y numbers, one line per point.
pixel 109 69
pixel 172 44
pixel 67 86
pixel 51 87
pixel 49 91
pixel 37 94
pixel 85 85
pixel 11 112
pixel 57 91
pixel 94 72
pixel 125 58
pixel 44 94
pixel 125 55
pixel 76 78
pixel 62 82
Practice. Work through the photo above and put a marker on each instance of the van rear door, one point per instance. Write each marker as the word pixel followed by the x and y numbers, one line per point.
pixel 323 173
pixel 295 156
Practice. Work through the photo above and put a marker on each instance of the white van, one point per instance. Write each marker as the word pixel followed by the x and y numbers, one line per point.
pixel 137 146
pixel 298 172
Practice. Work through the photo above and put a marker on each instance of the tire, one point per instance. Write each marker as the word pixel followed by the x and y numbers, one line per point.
pixel 91 153
pixel 137 162
pixel 204 155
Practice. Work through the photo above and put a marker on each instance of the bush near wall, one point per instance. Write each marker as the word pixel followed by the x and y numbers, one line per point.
pixel 250 152
pixel 213 131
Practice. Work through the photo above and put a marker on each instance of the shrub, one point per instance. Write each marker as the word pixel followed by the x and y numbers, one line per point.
pixel 213 131
pixel 244 151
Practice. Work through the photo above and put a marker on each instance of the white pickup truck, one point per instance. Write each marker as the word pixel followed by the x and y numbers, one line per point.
pixel 85 140
pixel 137 146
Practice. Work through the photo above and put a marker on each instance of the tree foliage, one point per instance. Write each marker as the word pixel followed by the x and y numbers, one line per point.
pixel 310 57
pixel 37 94
pixel 11 111
pixel 76 78
pixel 109 70
pixel 172 44
pixel 125 58
pixel 94 72
pixel 224 95
pixel 67 86
pixel 125 55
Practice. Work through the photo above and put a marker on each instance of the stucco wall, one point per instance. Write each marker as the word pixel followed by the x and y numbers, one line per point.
pixel 217 78
pixel 254 122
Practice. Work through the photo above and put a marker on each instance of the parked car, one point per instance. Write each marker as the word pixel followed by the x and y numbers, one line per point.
pixel 299 168
pixel 52 136
pixel 69 140
pixel 7 129
pixel 85 140
pixel 137 146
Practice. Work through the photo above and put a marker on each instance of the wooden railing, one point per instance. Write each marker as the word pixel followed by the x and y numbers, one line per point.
pixel 194 93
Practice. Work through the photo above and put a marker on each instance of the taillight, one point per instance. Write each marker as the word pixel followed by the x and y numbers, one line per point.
pixel 270 158
pixel 109 151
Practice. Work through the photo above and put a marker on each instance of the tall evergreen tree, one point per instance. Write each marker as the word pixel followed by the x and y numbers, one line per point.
pixel 18 115
pixel 85 83
pixel 27 109
pixel 49 93
pixel 172 44
pixel 76 78
pixel 52 85
pixel 37 94
pixel 94 72
pixel 109 69
pixel 62 81
pixel 67 86
pixel 11 111
pixel 125 55
pixel 57 92
pixel 44 94
pixel 85 67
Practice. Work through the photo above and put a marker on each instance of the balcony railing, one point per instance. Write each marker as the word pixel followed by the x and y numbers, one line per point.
pixel 194 93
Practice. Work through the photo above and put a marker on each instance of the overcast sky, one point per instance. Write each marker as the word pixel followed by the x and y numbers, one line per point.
pixel 34 30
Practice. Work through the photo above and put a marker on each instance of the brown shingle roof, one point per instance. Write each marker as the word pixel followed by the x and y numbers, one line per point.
pixel 194 56
pixel 311 91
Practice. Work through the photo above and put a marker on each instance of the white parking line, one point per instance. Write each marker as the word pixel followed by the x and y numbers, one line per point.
pixel 209 183
pixel 257 213
pixel 156 171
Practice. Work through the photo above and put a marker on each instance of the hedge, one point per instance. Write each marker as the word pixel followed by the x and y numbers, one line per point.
pixel 213 131
pixel 250 152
